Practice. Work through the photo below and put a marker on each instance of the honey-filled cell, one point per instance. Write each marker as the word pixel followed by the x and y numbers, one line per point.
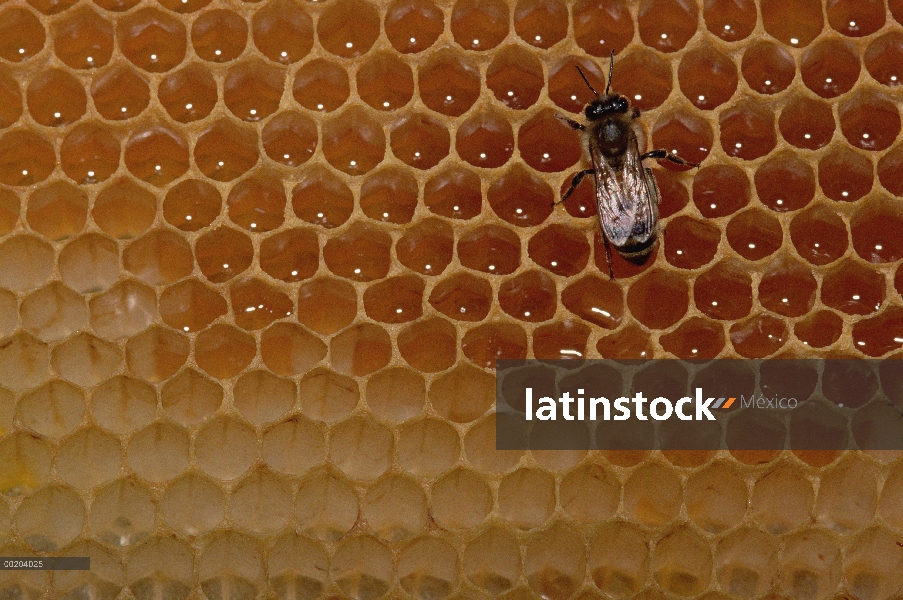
pixel 260 260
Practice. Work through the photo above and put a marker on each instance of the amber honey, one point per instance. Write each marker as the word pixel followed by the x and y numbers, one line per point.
pixel 258 260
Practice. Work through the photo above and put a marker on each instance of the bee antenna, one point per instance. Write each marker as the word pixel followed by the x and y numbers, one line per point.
pixel 611 68
pixel 588 84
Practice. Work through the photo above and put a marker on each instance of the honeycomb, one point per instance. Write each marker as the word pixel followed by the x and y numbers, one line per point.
pixel 258 260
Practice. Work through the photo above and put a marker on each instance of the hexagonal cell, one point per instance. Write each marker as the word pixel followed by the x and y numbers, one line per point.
pixel 56 98
pixel 395 300
pixel 396 394
pixel 327 305
pixel 420 141
pixel 520 197
pixel 530 296
pixel 479 25
pixel 807 123
pixel 322 198
pixel 158 258
pixel 810 563
pixel 731 21
pixel 290 138
pixel 223 351
pixel 86 360
pixel 191 305
pixel 26 463
pixel 691 243
pixel 795 24
pixel 353 142
pixel 156 354
pixel 429 345
pixel 294 446
pixel 820 329
pixel 219 35
pixel 338 38
pixel 716 497
pixel 289 349
pixel 321 85
pixel 188 94
pixel 619 559
pixel 547 144
pixel 754 234
pixel 385 82
pixel 601 30
pixel 50 518
pixel 555 561
pixel 395 508
pixel 25 262
pixel 427 567
pixel 845 175
pixel 788 288
pixel 328 396
pixel 291 255
pixel 758 336
pixel 83 39
pixel 283 31
pixel 515 77
pixel 869 121
pixel 262 503
pixel 159 452
pixel 152 40
pixel 191 204
pixel 874 229
pixel 361 448
pixel 57 211
pixel 89 458
pixel 225 150
pixel 256 304
pixel 883 58
pixel 157 155
pixel 707 77
pixel 658 284
pixel 852 288
pixel 819 235
pixel 22 34
pixel 124 209
pixel 684 134
pixel 90 263
pixel 390 195
pixel 253 89
pixel 359 254
pixel 326 506
pixel 747 131
pixel 830 68
pixel 122 514
pixel 120 93
pixel 413 25
pixel 257 202
pixel 226 432
pixel 652 495
pixel 767 67
pixel 360 350
pixel 124 405
pixel 26 159
pixel 463 297
pixel 124 310
pixel 53 410
pixel 526 497
pixel 193 504
pixel 89 154
pixel 189 398
pixel 448 84
pixel 223 253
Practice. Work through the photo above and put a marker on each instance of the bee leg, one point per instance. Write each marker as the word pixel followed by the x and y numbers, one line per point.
pixel 662 153
pixel 578 177
pixel 611 273
pixel 571 123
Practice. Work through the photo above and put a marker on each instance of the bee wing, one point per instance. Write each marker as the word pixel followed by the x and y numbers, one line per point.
pixel 623 197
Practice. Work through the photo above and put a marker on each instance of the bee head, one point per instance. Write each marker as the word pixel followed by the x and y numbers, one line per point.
pixel 607 105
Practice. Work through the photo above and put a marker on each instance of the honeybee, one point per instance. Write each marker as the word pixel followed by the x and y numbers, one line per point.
pixel 627 196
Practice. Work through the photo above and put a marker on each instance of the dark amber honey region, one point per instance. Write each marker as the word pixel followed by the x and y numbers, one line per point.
pixel 258 259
